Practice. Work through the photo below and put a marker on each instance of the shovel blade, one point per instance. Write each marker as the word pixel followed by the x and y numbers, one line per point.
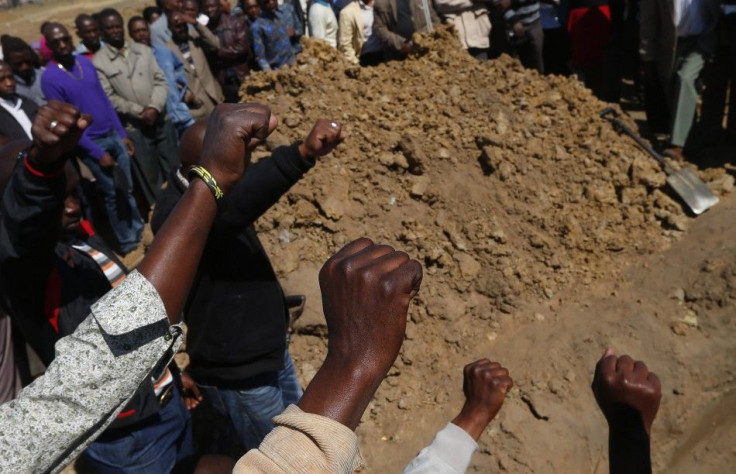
pixel 696 194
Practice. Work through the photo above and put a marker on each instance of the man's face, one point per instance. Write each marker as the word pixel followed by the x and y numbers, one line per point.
pixel 112 30
pixel 172 5
pixel 89 33
pixel 269 5
pixel 252 9
pixel 71 216
pixel 212 9
pixel 178 26
pixel 7 82
pixel 59 41
pixel 191 8
pixel 22 63
pixel 140 33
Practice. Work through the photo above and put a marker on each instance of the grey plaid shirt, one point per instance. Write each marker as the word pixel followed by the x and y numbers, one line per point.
pixel 97 369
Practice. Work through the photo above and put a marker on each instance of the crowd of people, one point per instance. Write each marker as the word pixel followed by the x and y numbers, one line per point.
pixel 138 120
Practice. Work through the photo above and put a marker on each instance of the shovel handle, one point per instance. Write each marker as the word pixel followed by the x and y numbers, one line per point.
pixel 611 115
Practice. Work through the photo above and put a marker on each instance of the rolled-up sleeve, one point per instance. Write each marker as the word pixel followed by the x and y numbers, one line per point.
pixel 97 369
pixel 306 443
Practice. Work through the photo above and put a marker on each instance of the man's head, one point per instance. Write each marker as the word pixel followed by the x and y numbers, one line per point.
pixel 213 9
pixel 191 7
pixel 268 5
pixel 20 56
pixel 139 31
pixel 7 81
pixel 178 26
pixel 151 14
pixel 252 9
pixel 111 25
pixel 71 215
pixel 88 30
pixel 59 41
pixel 167 6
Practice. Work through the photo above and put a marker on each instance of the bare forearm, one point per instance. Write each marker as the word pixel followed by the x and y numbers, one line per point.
pixel 340 392
pixel 628 445
pixel 172 260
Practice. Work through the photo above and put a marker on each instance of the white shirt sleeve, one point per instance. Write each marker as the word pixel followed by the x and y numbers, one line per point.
pixel 449 453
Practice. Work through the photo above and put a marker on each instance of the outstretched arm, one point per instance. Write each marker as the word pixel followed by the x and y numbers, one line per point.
pixel 628 395
pixel 485 385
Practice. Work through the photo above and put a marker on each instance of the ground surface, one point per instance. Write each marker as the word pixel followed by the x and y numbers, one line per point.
pixel 545 237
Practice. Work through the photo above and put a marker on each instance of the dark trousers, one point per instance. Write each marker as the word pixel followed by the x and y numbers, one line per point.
pixel 156 153
pixel 530 52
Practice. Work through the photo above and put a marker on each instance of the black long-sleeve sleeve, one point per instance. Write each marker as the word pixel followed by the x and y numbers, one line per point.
pixel 262 186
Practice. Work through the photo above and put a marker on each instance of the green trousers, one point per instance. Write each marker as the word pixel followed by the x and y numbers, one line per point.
pixel 689 63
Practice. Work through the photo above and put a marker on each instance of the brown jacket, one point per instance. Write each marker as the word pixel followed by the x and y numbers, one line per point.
pixel 385 19
pixel 235 50
pixel 201 81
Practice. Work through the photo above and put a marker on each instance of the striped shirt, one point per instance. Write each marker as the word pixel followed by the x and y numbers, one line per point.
pixel 112 270
pixel 524 11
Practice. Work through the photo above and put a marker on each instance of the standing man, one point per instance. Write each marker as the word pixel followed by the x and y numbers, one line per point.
pixel 356 39
pixel 104 146
pixel 322 22
pixel 472 23
pixel 271 43
pixel 176 77
pixel 676 38
pixel 232 61
pixel 191 48
pixel 16 112
pixel 395 21
pixel 88 30
pixel 524 21
pixel 22 59
pixel 138 90
pixel 236 313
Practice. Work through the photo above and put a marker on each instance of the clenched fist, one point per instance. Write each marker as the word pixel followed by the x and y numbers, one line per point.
pixel 233 130
pixel 324 137
pixel 620 383
pixel 56 130
pixel 485 385
pixel 366 290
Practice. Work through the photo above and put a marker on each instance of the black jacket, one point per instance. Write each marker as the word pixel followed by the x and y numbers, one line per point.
pixel 236 314
pixel 9 126
pixel 46 285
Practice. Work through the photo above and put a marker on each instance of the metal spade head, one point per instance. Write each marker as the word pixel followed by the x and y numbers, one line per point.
pixel 696 194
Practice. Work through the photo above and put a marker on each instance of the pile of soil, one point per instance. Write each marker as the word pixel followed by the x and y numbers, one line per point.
pixel 511 191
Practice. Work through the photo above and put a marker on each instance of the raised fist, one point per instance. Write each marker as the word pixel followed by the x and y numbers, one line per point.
pixel 619 382
pixel 56 130
pixel 485 385
pixel 366 290
pixel 232 131
pixel 324 137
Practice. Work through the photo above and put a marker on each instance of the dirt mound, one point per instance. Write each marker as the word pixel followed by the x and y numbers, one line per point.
pixel 506 185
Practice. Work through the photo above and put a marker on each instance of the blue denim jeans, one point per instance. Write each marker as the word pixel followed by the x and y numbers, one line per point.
pixel 122 211
pixel 251 410
pixel 155 447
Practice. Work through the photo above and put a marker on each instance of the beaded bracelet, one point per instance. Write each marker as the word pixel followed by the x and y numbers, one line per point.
pixel 201 173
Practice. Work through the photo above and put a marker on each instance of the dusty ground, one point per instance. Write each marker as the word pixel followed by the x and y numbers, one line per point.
pixel 545 237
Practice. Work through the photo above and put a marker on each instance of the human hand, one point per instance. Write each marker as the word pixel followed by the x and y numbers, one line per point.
pixel 52 143
pixel 519 30
pixel 485 385
pixel 233 130
pixel 191 396
pixel 407 47
pixel 129 146
pixel 149 115
pixel 322 139
pixel 290 31
pixel 504 4
pixel 366 290
pixel 107 161
pixel 189 19
pixel 620 382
